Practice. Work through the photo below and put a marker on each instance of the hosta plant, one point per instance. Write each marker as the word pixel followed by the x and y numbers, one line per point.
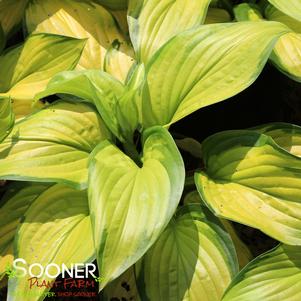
pixel 91 171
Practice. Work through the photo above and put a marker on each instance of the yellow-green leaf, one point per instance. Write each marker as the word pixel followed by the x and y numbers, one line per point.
pixel 291 7
pixel 250 179
pixel 28 68
pixel 131 205
pixel 273 276
pixel 16 200
pixel 153 22
pixel 209 64
pixel 6 117
pixel 52 145
pixel 193 259
pixel 286 135
pixel 244 255
pixel 82 19
pixel 56 229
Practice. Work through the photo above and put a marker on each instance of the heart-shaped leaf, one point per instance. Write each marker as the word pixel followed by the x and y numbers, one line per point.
pixel 131 205
pixel 250 179
pixel 193 259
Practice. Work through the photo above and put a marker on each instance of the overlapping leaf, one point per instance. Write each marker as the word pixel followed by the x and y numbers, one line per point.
pixel 115 102
pixel 209 64
pixel 82 19
pixel 273 276
pixel 244 255
pixel 52 145
pixel 6 117
pixel 287 52
pixel 291 8
pixel 153 22
pixel 56 229
pixel 250 179
pixel 27 69
pixel 217 15
pixel 16 201
pixel 193 259
pixel 286 135
pixel 131 205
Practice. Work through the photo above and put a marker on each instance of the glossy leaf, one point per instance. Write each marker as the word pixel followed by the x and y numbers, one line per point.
pixel 153 22
pixel 248 178
pixel 273 276
pixel 244 255
pixel 16 200
pixel 209 64
pixel 6 117
pixel 291 8
pixel 27 69
pixel 114 101
pixel 286 135
pixel 11 13
pixel 56 229
pixel 81 19
pixel 131 205
pixel 287 52
pixel 193 259
pixel 52 145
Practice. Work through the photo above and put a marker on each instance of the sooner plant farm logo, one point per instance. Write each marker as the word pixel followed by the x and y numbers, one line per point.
pixel 77 276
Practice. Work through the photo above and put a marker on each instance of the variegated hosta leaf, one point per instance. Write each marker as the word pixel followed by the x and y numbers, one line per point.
pixel 153 22
pixel 114 4
pixel 286 135
pixel 56 229
pixel 273 276
pixel 17 199
pixel 131 205
pixel 244 255
pixel 193 259
pixel 82 19
pixel 209 64
pixel 248 178
pixel 115 101
pixel 291 7
pixel 273 14
pixel 11 13
pixel 7 118
pixel 27 69
pixel 217 15
pixel 123 288
pixel 287 52
pixel 52 145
